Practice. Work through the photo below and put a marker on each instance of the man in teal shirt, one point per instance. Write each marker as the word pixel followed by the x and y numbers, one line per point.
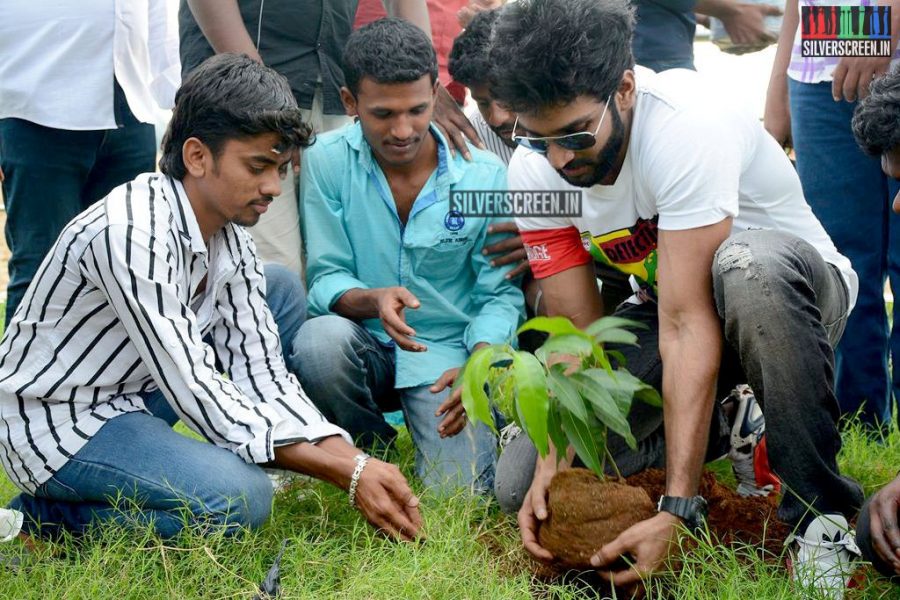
pixel 399 288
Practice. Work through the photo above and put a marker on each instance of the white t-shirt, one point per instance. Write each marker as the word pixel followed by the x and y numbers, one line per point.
pixel 58 59
pixel 693 159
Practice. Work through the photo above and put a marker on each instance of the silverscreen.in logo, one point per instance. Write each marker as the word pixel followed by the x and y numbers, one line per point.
pixel 834 31
pixel 514 203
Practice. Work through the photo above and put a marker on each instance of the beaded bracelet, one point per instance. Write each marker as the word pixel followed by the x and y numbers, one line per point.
pixel 361 460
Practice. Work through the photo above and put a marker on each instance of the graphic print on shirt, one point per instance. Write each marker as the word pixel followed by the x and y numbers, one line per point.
pixel 631 250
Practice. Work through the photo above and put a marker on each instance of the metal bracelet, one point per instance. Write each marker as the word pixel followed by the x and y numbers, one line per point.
pixel 361 460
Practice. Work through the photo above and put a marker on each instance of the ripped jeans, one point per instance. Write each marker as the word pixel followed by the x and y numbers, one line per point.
pixel 783 308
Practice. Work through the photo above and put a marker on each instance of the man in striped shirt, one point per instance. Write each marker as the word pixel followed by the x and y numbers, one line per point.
pixel 108 348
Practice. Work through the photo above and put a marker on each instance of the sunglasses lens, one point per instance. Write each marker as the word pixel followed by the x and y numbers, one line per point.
pixel 532 144
pixel 578 141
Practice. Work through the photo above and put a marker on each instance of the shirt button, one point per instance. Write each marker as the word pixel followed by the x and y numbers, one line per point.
pixel 318 46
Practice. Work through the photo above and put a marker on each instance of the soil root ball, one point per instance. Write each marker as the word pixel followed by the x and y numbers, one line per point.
pixel 585 513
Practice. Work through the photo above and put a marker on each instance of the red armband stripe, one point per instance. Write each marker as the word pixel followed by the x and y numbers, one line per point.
pixel 551 251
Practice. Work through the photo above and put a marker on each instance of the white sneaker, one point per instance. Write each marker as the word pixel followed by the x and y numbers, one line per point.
pixel 823 559
pixel 747 428
pixel 10 524
pixel 508 434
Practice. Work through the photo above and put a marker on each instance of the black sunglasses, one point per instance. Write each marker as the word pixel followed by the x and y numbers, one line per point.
pixel 572 141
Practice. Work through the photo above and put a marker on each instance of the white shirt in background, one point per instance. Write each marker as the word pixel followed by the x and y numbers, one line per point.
pixel 58 59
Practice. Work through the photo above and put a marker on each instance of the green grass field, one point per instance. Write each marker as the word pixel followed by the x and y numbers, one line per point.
pixel 472 551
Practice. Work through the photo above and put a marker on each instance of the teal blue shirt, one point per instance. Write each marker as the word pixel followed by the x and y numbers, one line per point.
pixel 354 239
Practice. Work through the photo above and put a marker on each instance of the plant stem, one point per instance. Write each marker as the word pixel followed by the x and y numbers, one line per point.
pixel 606 453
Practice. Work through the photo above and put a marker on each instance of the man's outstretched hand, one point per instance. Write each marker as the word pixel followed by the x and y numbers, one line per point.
pixel 645 546
pixel 883 512
pixel 385 499
pixel 390 305
pixel 512 249
pixel 451 409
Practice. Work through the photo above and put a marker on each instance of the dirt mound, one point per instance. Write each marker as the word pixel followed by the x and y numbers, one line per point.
pixel 585 513
pixel 579 505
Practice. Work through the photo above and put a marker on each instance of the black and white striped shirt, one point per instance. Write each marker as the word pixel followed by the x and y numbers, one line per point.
pixel 492 141
pixel 114 311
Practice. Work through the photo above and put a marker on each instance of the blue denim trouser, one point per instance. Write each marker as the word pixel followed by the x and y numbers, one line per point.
pixel 349 375
pixel 54 174
pixel 166 479
pixel 782 309
pixel 852 198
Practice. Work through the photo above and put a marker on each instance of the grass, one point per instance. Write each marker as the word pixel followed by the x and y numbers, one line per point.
pixel 472 551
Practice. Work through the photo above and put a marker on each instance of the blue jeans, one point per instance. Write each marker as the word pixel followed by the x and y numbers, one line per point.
pixel 349 375
pixel 852 198
pixel 54 174
pixel 165 479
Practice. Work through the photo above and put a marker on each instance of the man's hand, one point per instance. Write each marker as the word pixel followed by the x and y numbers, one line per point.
pixel 534 506
pixel 465 15
pixel 391 303
pixel 745 25
pixel 449 118
pixel 852 76
pixel 883 513
pixel 512 247
pixel 645 545
pixel 454 419
pixel 385 499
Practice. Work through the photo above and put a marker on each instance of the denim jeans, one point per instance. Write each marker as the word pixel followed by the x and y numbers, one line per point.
pixel 852 198
pixel 54 174
pixel 349 375
pixel 782 308
pixel 166 480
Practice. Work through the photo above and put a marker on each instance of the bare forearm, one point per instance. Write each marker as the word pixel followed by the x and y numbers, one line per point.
pixel 358 304
pixel 573 294
pixel 785 46
pixel 716 8
pixel 691 353
pixel 222 24
pixel 414 11
pixel 331 460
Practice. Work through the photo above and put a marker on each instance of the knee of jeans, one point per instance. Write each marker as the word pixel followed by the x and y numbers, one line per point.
pixel 284 290
pixel 243 502
pixel 323 342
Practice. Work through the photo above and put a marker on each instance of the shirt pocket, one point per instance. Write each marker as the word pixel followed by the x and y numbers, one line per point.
pixel 442 256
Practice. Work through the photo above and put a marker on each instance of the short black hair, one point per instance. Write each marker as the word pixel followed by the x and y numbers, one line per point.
pixel 876 120
pixel 470 62
pixel 388 50
pixel 231 96
pixel 549 52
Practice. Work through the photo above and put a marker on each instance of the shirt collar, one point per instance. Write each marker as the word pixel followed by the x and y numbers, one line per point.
pixel 448 170
pixel 185 219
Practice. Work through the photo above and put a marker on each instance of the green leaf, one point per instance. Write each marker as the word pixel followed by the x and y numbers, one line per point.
pixel 649 396
pixel 618 356
pixel 566 343
pixel 475 375
pixel 552 325
pixel 604 407
pixel 621 393
pixel 616 336
pixel 566 393
pixel 612 322
pixel 588 441
pixel 556 433
pixel 532 400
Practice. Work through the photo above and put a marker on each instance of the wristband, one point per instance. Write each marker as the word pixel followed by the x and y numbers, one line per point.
pixel 361 459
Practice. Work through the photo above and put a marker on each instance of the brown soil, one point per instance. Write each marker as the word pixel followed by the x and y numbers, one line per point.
pixel 585 513
pixel 579 504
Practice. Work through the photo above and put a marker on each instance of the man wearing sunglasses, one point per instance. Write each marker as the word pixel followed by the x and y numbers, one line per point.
pixel 734 278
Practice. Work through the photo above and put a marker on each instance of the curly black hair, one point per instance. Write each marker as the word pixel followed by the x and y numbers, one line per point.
pixel 231 96
pixel 388 50
pixel 470 56
pixel 876 120
pixel 549 52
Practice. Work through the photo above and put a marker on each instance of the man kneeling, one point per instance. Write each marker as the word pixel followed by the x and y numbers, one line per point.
pixel 106 351
pixel 399 281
